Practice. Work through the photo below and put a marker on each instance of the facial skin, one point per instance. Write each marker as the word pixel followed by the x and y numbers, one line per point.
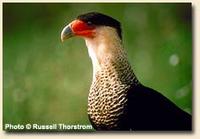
pixel 78 28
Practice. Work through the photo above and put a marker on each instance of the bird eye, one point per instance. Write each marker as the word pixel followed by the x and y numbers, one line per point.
pixel 89 23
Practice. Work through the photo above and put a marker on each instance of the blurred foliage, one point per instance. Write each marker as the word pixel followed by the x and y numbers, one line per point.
pixel 46 81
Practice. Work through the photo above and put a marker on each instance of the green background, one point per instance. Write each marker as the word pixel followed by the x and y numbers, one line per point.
pixel 46 81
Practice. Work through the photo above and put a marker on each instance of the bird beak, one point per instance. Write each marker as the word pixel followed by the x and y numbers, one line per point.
pixel 66 33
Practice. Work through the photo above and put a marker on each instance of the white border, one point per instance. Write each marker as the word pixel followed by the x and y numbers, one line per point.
pixel 196 81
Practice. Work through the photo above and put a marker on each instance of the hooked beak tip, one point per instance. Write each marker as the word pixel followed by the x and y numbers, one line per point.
pixel 66 33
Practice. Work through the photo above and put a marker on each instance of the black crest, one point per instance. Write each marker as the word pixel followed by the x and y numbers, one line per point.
pixel 99 19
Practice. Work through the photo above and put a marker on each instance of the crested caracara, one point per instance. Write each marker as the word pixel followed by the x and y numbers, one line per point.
pixel 117 100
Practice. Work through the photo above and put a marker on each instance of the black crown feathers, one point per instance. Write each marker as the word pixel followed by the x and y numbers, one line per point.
pixel 99 19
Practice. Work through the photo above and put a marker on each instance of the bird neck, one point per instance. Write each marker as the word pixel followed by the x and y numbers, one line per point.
pixel 108 56
pixel 112 79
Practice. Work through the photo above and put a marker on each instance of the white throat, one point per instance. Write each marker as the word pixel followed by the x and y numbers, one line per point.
pixel 102 46
pixel 93 56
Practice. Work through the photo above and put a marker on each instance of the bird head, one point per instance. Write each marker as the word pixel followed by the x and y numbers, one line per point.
pixel 86 26
pixel 102 35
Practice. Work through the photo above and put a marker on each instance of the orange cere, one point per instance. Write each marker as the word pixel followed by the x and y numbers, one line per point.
pixel 81 28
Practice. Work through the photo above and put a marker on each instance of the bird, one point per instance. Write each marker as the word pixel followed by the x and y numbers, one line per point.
pixel 117 100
